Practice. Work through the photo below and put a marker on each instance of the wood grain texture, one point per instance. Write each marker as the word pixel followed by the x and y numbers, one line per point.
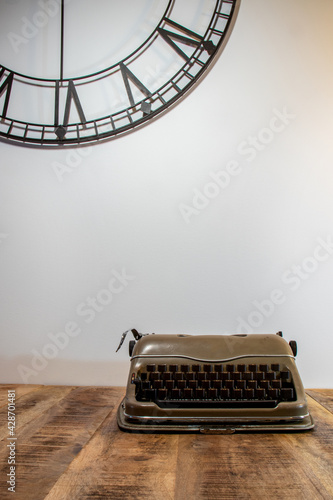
pixel 70 447
pixel 121 465
pixel 47 444
pixel 323 396
pixel 30 405
pixel 259 466
pixel 19 389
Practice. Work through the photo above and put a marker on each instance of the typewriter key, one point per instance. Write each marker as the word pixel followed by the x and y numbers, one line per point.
pixel 225 393
pixel 249 393
pixel 231 368
pixel 162 393
pixel 260 393
pixel 273 393
pixel 237 393
pixel 241 384
pixel 199 393
pixel 212 393
pixel 149 394
pixel 287 394
pixel 175 393
pixel 188 393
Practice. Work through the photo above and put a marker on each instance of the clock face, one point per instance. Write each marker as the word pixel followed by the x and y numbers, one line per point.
pixel 76 71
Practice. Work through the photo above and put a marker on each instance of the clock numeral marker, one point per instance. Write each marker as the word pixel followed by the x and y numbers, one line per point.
pixel 128 75
pixel 6 87
pixel 71 96
pixel 193 39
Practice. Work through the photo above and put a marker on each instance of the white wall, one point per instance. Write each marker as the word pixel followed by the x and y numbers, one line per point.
pixel 61 239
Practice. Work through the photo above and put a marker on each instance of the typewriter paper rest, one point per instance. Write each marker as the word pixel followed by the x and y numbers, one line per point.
pixel 213 384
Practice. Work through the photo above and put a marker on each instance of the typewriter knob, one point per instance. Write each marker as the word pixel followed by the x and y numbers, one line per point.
pixel 293 346
pixel 131 346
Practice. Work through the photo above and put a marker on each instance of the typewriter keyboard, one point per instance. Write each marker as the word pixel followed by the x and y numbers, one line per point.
pixel 214 385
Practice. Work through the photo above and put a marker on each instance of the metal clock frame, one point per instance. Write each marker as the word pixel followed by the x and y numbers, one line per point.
pixel 63 133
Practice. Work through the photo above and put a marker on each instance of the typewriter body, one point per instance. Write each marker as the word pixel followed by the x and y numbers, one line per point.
pixel 213 384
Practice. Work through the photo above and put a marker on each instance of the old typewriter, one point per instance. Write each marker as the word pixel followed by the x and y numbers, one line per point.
pixel 213 384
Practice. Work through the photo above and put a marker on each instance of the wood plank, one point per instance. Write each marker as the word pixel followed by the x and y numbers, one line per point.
pixel 118 465
pixel 31 405
pixel 322 396
pixel 48 444
pixel 20 390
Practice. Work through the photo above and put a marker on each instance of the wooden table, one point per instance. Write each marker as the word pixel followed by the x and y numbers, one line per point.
pixel 68 446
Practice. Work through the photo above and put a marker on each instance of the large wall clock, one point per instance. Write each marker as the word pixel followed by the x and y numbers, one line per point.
pixel 75 71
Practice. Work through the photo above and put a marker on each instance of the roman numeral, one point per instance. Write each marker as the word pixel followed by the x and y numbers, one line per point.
pixel 192 39
pixel 71 96
pixel 128 75
pixel 6 87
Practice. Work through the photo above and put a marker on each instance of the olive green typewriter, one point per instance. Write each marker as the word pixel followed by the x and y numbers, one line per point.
pixel 213 384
